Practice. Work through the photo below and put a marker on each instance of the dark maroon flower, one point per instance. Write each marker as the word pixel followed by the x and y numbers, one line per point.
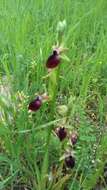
pixel 61 133
pixel 74 138
pixel 53 60
pixel 70 161
pixel 35 104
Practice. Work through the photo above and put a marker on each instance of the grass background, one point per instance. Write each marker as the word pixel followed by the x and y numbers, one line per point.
pixel 27 33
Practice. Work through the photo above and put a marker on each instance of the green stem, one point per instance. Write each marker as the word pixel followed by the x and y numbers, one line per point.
pixel 53 87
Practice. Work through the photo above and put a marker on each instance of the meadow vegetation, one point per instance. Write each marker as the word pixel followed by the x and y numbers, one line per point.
pixel 62 143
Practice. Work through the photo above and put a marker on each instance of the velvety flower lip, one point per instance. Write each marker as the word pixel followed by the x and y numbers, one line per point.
pixel 61 133
pixel 53 60
pixel 70 161
pixel 35 104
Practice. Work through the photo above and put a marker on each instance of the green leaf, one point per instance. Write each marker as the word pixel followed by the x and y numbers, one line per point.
pixel 61 182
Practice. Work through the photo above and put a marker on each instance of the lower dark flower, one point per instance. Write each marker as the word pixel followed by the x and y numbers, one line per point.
pixel 61 133
pixel 70 161
pixel 35 104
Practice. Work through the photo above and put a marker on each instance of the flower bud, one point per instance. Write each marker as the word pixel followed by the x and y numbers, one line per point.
pixel 61 26
pixel 62 110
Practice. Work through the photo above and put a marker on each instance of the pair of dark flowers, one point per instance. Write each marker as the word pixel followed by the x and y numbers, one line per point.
pixel 63 134
pixel 52 62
